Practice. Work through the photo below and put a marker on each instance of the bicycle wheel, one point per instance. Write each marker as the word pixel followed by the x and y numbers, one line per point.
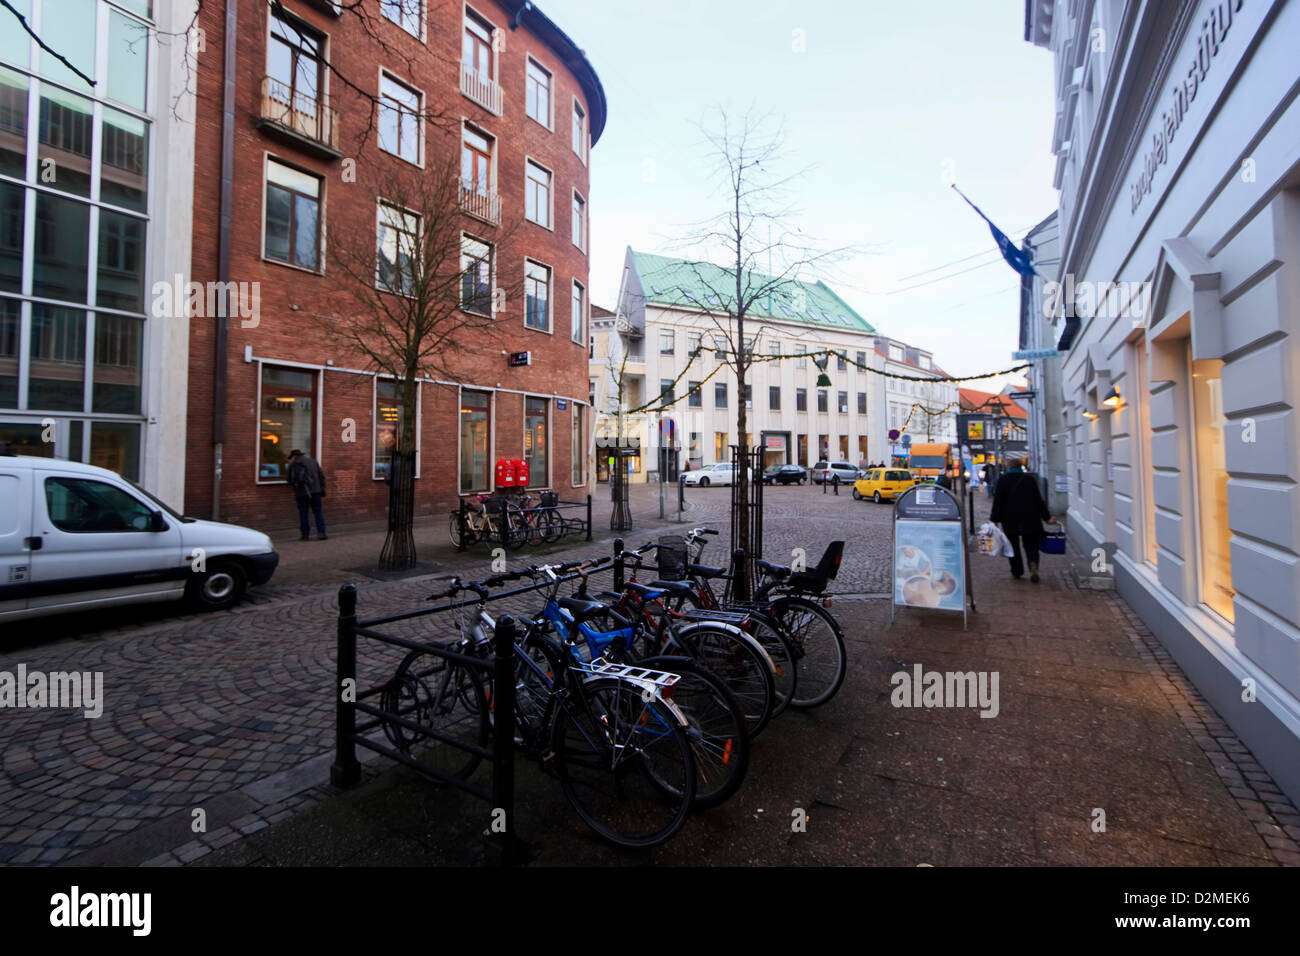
pixel 624 763
pixel 517 531
pixel 453 532
pixel 785 667
pixel 549 526
pixel 719 740
pixel 818 645
pixel 739 660
pixel 447 699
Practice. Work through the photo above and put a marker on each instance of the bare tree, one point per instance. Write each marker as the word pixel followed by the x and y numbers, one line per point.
pixel 418 293
pixel 765 255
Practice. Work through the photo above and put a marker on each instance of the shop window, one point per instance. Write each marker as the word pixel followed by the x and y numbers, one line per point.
pixel 578 448
pixel 389 417
pixel 287 421
pixel 475 416
pixel 1211 470
pixel 535 445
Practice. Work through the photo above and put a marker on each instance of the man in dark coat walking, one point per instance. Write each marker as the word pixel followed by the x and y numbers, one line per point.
pixel 308 483
pixel 1019 508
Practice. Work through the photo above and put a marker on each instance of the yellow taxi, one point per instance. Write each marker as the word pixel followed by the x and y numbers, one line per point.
pixel 883 484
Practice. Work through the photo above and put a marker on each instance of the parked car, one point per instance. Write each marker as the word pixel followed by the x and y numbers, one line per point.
pixel 884 484
pixel 720 474
pixel 846 471
pixel 785 475
pixel 75 537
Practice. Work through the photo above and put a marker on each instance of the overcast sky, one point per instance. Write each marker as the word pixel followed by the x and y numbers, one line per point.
pixel 882 97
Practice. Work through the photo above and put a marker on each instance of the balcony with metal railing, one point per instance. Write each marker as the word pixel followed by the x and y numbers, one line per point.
pixel 479 202
pixel 306 120
pixel 483 90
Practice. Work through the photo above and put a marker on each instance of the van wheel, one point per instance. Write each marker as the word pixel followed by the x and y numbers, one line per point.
pixel 876 498
pixel 704 482
pixel 220 587
pixel 857 495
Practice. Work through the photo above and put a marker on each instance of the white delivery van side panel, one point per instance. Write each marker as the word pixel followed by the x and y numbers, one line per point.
pixel 15 529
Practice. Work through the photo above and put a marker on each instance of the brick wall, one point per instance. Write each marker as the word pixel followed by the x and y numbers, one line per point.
pixel 286 334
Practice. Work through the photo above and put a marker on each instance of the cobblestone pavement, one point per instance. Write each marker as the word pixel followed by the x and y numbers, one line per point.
pixel 231 714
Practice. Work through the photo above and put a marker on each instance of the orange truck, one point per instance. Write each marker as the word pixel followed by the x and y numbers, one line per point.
pixel 929 461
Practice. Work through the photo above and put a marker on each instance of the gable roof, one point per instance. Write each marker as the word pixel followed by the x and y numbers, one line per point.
pixel 972 399
pixel 689 284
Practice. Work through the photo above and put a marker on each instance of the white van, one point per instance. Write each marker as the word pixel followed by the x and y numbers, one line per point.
pixel 75 537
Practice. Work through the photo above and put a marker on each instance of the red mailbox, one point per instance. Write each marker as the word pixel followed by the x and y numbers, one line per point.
pixel 521 472
pixel 505 473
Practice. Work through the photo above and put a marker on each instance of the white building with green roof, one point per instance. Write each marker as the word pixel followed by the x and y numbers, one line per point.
pixel 674 316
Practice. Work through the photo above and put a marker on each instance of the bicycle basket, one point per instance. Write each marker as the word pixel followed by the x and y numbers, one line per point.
pixel 671 557
pixel 550 499
pixel 495 506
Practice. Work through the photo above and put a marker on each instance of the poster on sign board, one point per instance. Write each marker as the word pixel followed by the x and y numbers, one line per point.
pixel 928 564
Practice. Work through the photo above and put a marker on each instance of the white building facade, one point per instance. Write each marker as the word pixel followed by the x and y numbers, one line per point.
pixel 1179 177
pixel 665 315
pixel 924 410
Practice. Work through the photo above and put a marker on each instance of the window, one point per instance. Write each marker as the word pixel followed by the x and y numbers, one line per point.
pixel 476 161
pixel 535 435
pixel 800 359
pixel 475 275
pixel 293 69
pixel 537 195
pixel 693 344
pixel 925 361
pixel 579 222
pixel 694 398
pixel 1211 471
pixel 398 258
pixel 803 450
pixel 841 362
pixel 121 262
pixel 749 396
pixel 862 403
pixel 862 360
pixel 844 447
pixel 896 353
pixel 823 447
pixel 287 420
pixel 719 394
pixel 666 342
pixel 774 398
pixel 821 400
pixel 400 111
pixel 1143 405
pixel 842 402
pixel 389 416
pixel 720 446
pixel 801 399
pixel 579 131
pixel 722 345
pixel 537 98
pixel 405 13
pixel 578 313
pixel 666 396
pixel 577 447
pixel 476 50
pixel 474 431
pixel 86 506
pixel 537 296
pixel 119 344
pixel 292 216
pixel 695 451
pixel 862 448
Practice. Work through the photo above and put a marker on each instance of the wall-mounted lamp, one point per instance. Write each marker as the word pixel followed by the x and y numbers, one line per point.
pixel 1112 399
pixel 1091 416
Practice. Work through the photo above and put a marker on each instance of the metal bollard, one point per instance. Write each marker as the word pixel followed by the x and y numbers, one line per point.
pixel 588 517
pixel 618 566
pixel 345 770
pixel 503 735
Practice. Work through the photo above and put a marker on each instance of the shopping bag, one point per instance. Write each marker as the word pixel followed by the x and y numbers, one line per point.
pixel 1053 541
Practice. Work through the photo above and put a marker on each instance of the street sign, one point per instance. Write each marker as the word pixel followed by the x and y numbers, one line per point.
pixel 907 440
pixel 520 358
pixel 893 434
pixel 1036 353
pixel 1017 396
pixel 561 404
pixel 666 428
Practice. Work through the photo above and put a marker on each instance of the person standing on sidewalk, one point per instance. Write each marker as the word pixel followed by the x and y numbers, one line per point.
pixel 1019 508
pixel 308 482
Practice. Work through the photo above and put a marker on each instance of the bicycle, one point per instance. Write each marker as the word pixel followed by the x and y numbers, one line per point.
pixel 787 598
pixel 617 744
pixel 485 520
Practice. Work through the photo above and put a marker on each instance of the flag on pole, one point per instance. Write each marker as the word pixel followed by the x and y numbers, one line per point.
pixel 1016 257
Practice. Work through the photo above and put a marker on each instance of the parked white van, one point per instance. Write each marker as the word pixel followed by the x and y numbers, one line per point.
pixel 75 537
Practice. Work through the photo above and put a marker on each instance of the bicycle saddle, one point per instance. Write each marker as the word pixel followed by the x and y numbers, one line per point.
pixel 778 571
pixel 585 610
pixel 645 590
pixel 682 588
pixel 705 571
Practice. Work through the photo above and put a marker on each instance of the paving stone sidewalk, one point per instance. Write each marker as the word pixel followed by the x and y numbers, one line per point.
pixel 1094 717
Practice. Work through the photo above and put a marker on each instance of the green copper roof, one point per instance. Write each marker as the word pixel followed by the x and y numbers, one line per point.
pixel 689 284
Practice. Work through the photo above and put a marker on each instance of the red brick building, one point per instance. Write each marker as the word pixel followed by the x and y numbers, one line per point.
pixel 315 105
